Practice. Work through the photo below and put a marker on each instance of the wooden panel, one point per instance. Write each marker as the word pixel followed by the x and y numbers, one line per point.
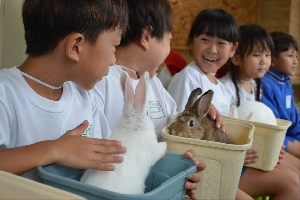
pixel 275 15
pixel 296 88
pixel 294 30
pixel 184 11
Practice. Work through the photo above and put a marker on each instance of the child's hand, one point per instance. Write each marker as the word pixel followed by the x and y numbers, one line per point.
pixel 281 154
pixel 251 156
pixel 215 115
pixel 74 150
pixel 194 179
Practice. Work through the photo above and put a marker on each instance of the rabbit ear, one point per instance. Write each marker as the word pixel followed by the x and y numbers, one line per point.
pixel 127 91
pixel 233 112
pixel 140 96
pixel 192 98
pixel 202 104
pixel 249 116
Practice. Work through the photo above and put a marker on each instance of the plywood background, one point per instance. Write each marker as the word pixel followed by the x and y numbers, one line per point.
pixel 184 11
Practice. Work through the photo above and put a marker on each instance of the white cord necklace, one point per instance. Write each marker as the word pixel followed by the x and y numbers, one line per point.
pixel 40 82
pixel 246 82
pixel 132 70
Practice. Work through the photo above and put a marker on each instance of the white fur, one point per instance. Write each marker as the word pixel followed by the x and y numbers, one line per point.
pixel 137 133
pixel 254 111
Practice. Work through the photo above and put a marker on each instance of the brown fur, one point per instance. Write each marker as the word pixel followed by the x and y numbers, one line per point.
pixel 194 123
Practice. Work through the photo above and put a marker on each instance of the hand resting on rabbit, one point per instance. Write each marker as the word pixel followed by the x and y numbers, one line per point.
pixel 253 111
pixel 137 133
pixel 194 123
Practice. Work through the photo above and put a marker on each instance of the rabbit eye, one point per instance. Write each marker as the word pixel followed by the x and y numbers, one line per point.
pixel 192 123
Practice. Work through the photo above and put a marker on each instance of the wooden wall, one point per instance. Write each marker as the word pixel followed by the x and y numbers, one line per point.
pixel 184 11
pixel 274 15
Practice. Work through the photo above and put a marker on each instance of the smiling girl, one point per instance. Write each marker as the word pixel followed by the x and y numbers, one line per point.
pixel 212 40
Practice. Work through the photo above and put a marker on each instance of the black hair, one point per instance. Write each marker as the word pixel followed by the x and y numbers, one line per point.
pixel 250 36
pixel 214 22
pixel 282 43
pixel 153 15
pixel 47 22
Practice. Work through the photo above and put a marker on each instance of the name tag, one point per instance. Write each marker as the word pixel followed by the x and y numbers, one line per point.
pixel 88 131
pixel 224 109
pixel 288 101
pixel 156 110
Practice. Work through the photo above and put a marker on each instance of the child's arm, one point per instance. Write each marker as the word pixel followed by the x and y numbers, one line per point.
pixel 72 150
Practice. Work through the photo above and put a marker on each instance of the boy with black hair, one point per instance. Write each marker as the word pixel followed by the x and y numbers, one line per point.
pixel 40 108
pixel 277 88
pixel 145 45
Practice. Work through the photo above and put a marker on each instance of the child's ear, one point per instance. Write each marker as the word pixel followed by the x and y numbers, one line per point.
pixel 145 38
pixel 273 60
pixel 233 49
pixel 235 60
pixel 74 46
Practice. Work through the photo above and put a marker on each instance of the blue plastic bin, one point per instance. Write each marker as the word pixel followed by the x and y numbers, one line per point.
pixel 165 180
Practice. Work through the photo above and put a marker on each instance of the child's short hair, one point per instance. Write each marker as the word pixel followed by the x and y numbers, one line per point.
pixel 251 35
pixel 154 15
pixel 215 22
pixel 47 22
pixel 282 43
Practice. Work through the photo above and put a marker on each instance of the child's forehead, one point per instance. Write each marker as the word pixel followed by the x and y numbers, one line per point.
pixel 290 50
pixel 215 36
pixel 261 47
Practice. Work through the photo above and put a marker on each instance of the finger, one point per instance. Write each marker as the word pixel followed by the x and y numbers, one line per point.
pixel 108 149
pixel 251 156
pixel 249 161
pixel 190 154
pixel 191 195
pixel 200 165
pixel 212 112
pixel 224 128
pixel 102 166
pixel 104 142
pixel 246 162
pixel 103 162
pixel 190 186
pixel 194 178
pixel 106 158
pixel 79 129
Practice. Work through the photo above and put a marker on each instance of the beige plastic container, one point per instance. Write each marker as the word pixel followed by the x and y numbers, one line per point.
pixel 267 141
pixel 224 162
pixel 16 187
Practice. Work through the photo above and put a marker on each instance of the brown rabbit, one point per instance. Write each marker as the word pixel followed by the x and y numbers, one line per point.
pixel 194 123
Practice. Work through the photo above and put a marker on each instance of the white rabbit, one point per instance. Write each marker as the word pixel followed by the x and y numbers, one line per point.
pixel 254 111
pixel 137 133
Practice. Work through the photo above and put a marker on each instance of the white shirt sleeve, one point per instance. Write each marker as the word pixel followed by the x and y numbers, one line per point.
pixel 165 77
